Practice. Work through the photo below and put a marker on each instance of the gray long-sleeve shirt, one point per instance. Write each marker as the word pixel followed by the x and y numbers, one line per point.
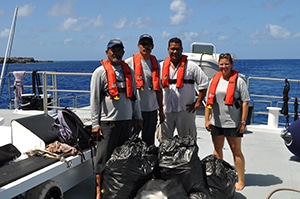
pixel 103 108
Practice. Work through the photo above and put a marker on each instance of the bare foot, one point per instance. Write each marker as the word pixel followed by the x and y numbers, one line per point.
pixel 239 186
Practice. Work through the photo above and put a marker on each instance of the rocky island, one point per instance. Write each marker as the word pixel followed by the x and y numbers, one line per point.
pixel 22 60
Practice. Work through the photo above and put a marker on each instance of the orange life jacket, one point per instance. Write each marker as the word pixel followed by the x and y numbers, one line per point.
pixel 229 98
pixel 180 72
pixel 138 72
pixel 112 82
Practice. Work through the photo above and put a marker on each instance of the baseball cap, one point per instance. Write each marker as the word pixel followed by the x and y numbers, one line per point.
pixel 145 36
pixel 114 42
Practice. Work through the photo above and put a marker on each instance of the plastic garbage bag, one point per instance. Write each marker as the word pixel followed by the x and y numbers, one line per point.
pixel 160 189
pixel 178 159
pixel 128 169
pixel 221 177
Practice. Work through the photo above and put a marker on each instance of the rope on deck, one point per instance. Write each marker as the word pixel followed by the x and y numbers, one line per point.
pixel 282 189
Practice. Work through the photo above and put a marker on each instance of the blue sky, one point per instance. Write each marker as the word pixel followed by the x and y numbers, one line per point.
pixel 80 29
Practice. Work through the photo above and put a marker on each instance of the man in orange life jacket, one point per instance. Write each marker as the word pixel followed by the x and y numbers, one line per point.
pixel 146 70
pixel 179 78
pixel 113 105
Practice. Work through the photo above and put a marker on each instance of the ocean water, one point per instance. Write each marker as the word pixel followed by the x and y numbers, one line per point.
pixel 286 68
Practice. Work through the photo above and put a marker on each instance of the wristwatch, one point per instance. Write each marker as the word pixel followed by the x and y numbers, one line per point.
pixel 243 122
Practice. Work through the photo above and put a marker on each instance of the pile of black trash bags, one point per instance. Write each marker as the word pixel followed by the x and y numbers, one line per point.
pixel 171 171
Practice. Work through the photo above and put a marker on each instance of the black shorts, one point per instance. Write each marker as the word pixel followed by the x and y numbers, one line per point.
pixel 227 132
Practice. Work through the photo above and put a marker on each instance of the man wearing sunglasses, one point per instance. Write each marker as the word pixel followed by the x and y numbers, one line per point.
pixel 146 73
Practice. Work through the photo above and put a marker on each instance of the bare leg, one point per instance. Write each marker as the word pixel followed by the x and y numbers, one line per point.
pixel 218 142
pixel 239 160
pixel 98 186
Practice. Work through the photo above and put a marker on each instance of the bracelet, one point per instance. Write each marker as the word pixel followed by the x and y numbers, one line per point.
pixel 243 123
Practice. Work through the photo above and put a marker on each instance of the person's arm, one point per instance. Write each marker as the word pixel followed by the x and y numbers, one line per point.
pixel 207 118
pixel 137 113
pixel 201 81
pixel 95 103
pixel 159 97
pixel 242 125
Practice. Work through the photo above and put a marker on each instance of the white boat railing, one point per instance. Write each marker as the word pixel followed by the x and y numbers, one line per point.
pixel 79 98
pixel 260 101
pixel 54 86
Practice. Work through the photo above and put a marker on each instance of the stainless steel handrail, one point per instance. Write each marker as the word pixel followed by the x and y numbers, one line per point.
pixel 276 98
pixel 50 88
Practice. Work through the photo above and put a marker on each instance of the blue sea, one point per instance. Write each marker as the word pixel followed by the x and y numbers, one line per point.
pixel 285 68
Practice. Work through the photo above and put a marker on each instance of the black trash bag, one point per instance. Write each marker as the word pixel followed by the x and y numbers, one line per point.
pixel 129 168
pixel 199 195
pixel 178 159
pixel 161 189
pixel 221 177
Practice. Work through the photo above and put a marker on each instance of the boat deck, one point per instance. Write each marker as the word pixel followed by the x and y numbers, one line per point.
pixel 269 165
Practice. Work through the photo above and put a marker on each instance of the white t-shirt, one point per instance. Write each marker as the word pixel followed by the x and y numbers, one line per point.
pixel 176 99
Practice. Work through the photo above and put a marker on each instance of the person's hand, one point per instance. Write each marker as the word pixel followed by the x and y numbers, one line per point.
pixel 140 124
pixel 97 131
pixel 207 125
pixel 193 107
pixel 241 128
pixel 162 117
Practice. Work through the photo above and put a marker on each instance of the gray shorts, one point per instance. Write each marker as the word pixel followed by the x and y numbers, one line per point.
pixel 227 132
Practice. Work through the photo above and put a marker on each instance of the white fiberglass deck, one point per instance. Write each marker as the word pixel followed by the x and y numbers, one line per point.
pixel 269 165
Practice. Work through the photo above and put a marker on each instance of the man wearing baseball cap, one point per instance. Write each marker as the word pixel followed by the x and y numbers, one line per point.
pixel 113 105
pixel 149 90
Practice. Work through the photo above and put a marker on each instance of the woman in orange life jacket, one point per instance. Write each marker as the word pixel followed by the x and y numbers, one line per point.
pixel 226 113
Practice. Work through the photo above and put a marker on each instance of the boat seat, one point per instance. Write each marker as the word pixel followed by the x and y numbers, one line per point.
pixel 19 169
pixel 33 132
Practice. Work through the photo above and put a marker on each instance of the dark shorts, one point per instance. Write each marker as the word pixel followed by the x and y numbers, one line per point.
pixel 227 132
pixel 115 133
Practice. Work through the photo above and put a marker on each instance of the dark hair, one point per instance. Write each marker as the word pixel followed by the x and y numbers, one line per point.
pixel 175 40
pixel 226 56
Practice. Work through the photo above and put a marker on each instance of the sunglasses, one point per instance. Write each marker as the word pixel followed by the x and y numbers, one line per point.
pixel 146 44
pixel 222 55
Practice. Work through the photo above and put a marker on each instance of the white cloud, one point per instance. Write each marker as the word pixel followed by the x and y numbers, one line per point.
pixel 98 21
pixel 68 40
pixel 25 10
pixel 143 22
pixel 205 32
pixel 60 9
pixel 255 37
pixel 277 32
pixel 78 24
pixel 68 24
pixel 179 7
pixel 222 37
pixel 190 36
pixel 165 34
pixel 271 4
pixel 4 33
pixel 297 35
pixel 121 23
